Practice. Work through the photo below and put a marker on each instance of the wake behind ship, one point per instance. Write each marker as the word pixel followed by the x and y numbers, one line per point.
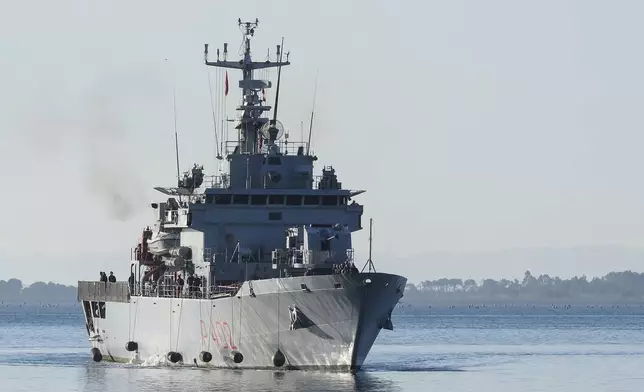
pixel 252 268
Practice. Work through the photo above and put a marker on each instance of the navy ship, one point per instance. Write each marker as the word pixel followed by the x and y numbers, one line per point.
pixel 251 268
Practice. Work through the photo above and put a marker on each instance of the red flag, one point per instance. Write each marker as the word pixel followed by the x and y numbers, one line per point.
pixel 226 90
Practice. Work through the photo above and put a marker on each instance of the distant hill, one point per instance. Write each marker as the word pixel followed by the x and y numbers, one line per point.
pixel 564 262
pixel 625 287
pixel 51 293
pixel 614 287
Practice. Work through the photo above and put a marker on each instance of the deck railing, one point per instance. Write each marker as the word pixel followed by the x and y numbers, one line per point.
pixel 286 148
pixel 220 181
pixel 103 291
pixel 297 256
pixel 122 291
pixel 223 181
pixel 173 290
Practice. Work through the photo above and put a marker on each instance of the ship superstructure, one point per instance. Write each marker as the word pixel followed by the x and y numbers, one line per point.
pixel 252 268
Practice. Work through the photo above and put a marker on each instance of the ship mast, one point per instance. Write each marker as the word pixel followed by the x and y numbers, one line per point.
pixel 251 107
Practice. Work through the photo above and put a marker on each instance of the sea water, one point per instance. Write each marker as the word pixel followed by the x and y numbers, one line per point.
pixel 513 348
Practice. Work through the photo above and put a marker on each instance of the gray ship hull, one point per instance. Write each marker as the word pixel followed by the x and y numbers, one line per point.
pixel 337 320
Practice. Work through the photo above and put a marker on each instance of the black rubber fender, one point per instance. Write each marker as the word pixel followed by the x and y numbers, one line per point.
pixel 237 357
pixel 96 355
pixel 278 358
pixel 132 346
pixel 174 357
pixel 205 356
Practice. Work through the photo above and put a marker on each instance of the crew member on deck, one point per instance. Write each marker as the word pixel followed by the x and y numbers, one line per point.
pixel 198 286
pixel 191 285
pixel 179 286
pixel 103 277
pixel 147 286
pixel 112 278
pixel 204 289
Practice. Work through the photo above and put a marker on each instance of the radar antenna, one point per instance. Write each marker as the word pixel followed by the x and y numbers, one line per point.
pixel 272 131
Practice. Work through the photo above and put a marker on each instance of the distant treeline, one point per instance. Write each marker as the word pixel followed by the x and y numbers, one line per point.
pixel 50 293
pixel 615 287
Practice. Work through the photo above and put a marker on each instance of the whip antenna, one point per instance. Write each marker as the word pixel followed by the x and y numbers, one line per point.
pixel 315 91
pixel 176 137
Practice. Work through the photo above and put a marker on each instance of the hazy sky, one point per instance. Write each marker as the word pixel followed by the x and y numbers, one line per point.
pixel 477 128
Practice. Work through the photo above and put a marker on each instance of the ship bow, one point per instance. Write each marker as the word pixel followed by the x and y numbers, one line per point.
pixel 379 294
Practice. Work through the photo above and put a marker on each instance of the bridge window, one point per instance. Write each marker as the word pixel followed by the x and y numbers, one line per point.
pixel 329 200
pixel 294 200
pixel 274 216
pixel 223 199
pixel 276 199
pixel 311 200
pixel 258 199
pixel 240 199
